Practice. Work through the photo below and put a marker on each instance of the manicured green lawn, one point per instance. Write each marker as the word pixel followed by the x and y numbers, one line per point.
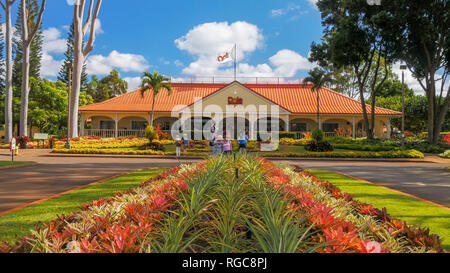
pixel 9 163
pixel 399 206
pixel 19 223
pixel 301 149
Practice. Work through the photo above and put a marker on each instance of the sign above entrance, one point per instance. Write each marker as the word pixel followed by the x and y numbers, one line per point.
pixel 235 101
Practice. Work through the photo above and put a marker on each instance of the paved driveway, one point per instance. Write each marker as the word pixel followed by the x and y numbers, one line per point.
pixel 429 181
pixel 51 176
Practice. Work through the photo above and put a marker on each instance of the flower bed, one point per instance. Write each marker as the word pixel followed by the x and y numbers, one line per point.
pixel 350 225
pixel 445 154
pixel 4 146
pixel 390 154
pixel 118 152
pixel 204 208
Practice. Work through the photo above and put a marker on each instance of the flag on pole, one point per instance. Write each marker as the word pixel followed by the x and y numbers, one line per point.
pixel 227 56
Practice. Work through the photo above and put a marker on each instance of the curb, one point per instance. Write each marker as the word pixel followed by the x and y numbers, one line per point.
pixel 397 191
pixel 69 191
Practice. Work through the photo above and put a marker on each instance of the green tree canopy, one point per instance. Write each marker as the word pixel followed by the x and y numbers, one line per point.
pixel 108 87
pixel 154 82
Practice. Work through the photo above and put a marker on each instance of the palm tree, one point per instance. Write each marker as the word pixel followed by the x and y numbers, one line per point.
pixel 318 77
pixel 154 82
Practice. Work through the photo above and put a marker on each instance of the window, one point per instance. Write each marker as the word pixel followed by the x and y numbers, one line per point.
pixel 138 124
pixel 330 127
pixel 107 124
pixel 299 127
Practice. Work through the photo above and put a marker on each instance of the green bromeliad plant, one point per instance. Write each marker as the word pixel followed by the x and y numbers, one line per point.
pixel 228 205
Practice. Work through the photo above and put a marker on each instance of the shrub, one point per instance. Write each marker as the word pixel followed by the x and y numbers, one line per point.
pixel 318 135
pixel 362 147
pixel 319 147
pixel 150 133
pixel 296 142
pixel 446 154
pixel 390 154
pixel 155 146
pixel 292 135
pixel 424 147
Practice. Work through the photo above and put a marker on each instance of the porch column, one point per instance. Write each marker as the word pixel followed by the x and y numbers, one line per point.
pixel 116 126
pixel 389 128
pixel 288 129
pixel 354 128
pixel 82 124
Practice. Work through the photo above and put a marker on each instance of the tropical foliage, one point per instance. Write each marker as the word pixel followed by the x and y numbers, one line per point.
pixel 229 206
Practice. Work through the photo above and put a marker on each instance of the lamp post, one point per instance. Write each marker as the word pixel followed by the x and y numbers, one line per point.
pixel 403 68
pixel 69 82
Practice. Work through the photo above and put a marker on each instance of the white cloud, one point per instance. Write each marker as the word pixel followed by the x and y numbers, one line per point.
pixel 313 2
pixel 210 39
pixel 413 83
pixel 293 10
pixel 207 40
pixel 133 82
pixel 52 42
pixel 178 63
pixel 49 66
pixel 288 62
pixel 101 65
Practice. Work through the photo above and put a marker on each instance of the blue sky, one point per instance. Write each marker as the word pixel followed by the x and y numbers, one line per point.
pixel 140 35
pixel 184 37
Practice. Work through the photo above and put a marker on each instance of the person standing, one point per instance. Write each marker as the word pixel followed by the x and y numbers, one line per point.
pixel 178 144
pixel 185 143
pixel 243 141
pixel 217 149
pixel 227 146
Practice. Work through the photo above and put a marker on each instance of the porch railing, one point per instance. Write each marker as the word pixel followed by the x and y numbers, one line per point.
pixel 112 133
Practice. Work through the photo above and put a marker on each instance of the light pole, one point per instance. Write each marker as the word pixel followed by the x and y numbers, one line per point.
pixel 403 68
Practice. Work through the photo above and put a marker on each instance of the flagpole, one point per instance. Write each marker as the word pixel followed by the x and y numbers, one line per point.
pixel 235 67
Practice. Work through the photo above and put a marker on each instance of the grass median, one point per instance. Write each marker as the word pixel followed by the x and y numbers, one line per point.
pixel 18 223
pixel 401 206
pixel 15 163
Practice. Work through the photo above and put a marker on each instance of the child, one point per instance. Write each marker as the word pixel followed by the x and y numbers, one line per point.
pixel 178 144
pixel 227 147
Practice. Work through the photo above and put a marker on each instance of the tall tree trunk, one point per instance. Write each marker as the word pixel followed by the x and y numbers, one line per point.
pixel 9 72
pixel 25 91
pixel 27 38
pixel 431 104
pixel 78 61
pixel 153 109
pixel 80 55
pixel 318 110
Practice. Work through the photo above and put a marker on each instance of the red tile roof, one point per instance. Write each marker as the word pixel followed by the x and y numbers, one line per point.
pixel 295 98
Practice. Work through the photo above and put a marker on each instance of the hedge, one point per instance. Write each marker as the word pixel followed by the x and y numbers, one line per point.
pixel 117 152
pixel 390 154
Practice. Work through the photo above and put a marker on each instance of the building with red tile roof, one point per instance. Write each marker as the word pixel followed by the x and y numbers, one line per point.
pixel 220 104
